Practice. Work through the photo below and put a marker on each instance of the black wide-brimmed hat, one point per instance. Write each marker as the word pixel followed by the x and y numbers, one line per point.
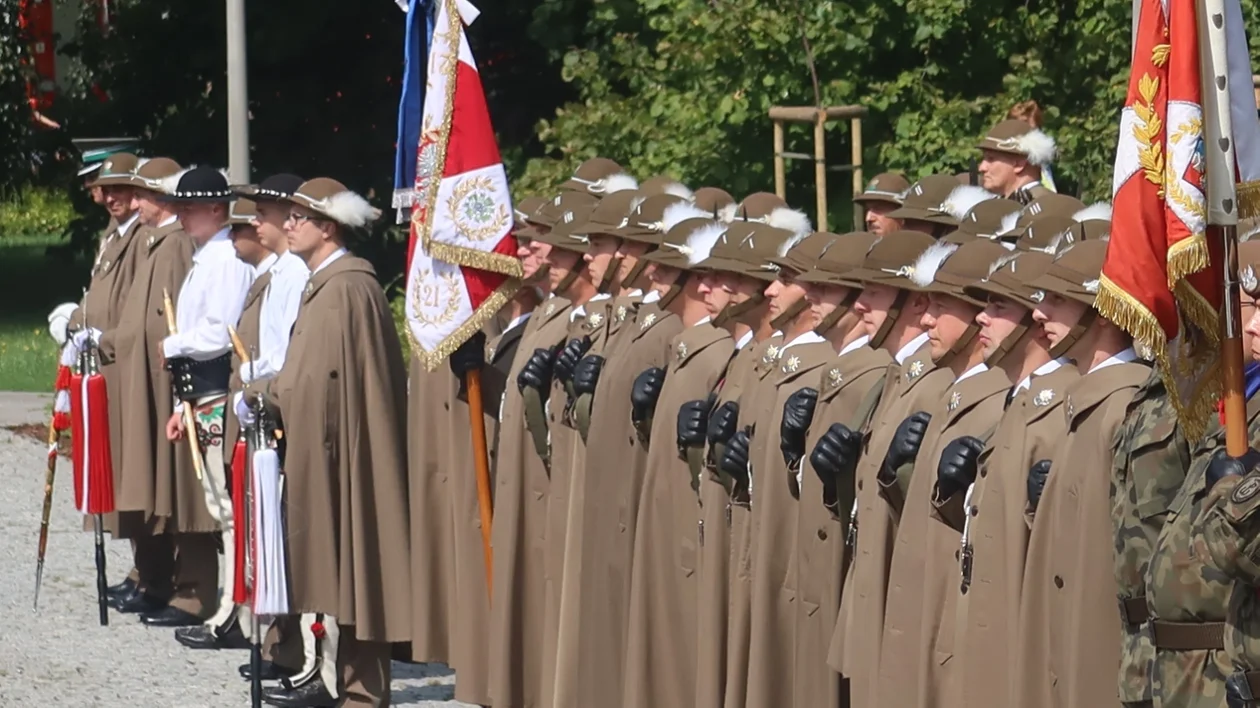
pixel 201 185
pixel 273 189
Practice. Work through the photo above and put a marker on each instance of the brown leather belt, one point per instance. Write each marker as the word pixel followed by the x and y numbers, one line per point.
pixel 1134 611
pixel 1188 636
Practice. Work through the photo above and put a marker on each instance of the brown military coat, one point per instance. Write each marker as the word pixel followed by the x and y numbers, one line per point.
pixel 775 492
pixel 918 644
pixel 248 329
pixel 822 561
pixel 1032 429
pixel 614 481
pixel 469 619
pixel 1069 648
pixel 155 477
pixel 342 398
pixel 758 388
pixel 519 532
pixel 914 385
pixel 713 573
pixel 661 646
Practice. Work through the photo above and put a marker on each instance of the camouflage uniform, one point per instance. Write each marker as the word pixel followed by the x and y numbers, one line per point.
pixel 1148 470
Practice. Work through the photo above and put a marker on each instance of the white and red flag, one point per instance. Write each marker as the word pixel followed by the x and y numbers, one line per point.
pixel 462 262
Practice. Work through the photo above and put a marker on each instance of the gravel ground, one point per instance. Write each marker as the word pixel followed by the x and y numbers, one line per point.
pixel 61 656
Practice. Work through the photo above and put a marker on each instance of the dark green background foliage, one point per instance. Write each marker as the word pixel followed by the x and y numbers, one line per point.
pixel 664 86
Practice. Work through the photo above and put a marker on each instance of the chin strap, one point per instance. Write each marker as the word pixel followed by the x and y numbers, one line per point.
pixel 837 314
pixel 894 313
pixel 635 272
pixel 674 290
pixel 789 314
pixel 739 309
pixel 963 341
pixel 1020 335
pixel 609 275
pixel 1078 330
pixel 567 282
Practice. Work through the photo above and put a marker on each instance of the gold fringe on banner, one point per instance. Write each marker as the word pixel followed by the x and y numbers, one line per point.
pixel 431 360
pixel 1130 315
pixel 1248 196
pixel 1187 257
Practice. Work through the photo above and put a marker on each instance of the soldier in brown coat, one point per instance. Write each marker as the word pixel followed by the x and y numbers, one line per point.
pixel 1068 651
pixel 892 314
pixel 882 196
pixel 915 667
pixel 1012 156
pixel 988 587
pixel 343 385
pixel 661 646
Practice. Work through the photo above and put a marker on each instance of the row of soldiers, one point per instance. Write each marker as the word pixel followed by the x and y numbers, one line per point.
pixel 736 462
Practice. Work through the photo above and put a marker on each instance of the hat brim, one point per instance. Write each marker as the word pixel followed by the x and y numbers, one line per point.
pixel 992 147
pixel 876 198
pixel 258 194
pixel 203 199
pixel 986 288
pixel 1052 283
pixel 825 277
pixel 115 181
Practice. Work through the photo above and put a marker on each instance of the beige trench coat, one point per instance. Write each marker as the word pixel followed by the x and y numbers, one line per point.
pixel 661 647
pixel 913 386
pixel 518 535
pixel 822 560
pixel 614 470
pixel 248 328
pixel 155 477
pixel 772 641
pixel 915 667
pixel 1032 429
pixel 1069 629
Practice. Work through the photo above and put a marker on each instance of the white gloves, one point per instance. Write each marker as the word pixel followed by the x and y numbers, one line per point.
pixel 244 413
pixel 81 337
pixel 255 371
pixel 59 320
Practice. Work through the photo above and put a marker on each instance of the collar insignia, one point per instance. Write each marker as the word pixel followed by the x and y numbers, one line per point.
pixel 310 288
pixel 793 363
pixel 595 320
pixel 648 321
pixel 489 353
pixel 954 400
pixel 1044 397
pixel 916 369
pixel 1071 410
pixel 621 313
pixel 551 308
pixel 151 241
pixel 682 351
pixel 772 354
pixel 1037 296
pixel 834 378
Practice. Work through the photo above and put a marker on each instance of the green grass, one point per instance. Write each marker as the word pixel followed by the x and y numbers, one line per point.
pixel 32 282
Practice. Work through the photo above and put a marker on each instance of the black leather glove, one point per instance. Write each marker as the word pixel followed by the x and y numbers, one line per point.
pixel 722 423
pixel 957 467
pixel 1037 482
pixel 735 459
pixel 586 375
pixel 836 453
pixel 693 421
pixel 570 355
pixel 471 355
pixel 645 392
pixel 536 373
pixel 1223 465
pixel 905 445
pixel 798 413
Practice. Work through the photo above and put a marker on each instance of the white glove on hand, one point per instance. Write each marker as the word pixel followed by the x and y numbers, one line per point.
pixel 59 321
pixel 81 337
pixel 244 413
pixel 255 371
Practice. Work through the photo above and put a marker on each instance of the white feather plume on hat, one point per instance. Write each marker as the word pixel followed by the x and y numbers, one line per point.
pixel 350 209
pixel 1100 211
pixel 790 219
pixel 617 183
pixel 170 184
pixel 700 243
pixel 964 198
pixel 1038 146
pixel 679 189
pixel 789 242
pixel 1008 223
pixel 727 212
pixel 675 214
pixel 930 261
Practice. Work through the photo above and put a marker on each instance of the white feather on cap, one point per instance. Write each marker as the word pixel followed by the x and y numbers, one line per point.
pixel 680 190
pixel 350 209
pixel 789 242
pixel 727 212
pixel 618 183
pixel 637 202
pixel 1100 211
pixel 926 265
pixel 1008 223
pixel 675 214
pixel 964 198
pixel 170 183
pixel 700 242
pixel 1038 146
pixel 790 219
pixel 1002 261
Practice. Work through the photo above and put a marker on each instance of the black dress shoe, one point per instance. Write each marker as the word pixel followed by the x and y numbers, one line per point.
pixel 203 637
pixel 271 671
pixel 139 603
pixel 121 589
pixel 170 617
pixel 311 694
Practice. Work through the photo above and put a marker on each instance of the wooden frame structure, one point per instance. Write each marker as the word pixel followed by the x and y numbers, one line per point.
pixel 818 117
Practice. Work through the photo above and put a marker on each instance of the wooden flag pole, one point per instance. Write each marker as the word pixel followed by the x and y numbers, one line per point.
pixel 477 422
pixel 1235 402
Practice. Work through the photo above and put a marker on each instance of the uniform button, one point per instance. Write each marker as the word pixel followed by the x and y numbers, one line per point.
pixel 332 375
pixel 447 406
pixel 859 484
pixel 1058 582
pixel 975 510
pixel 822 534
pixel 984 472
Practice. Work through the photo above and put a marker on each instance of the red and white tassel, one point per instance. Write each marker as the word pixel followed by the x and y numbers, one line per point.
pixel 93 464
pixel 61 388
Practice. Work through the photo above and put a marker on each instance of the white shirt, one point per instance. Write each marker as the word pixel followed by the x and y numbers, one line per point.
pixel 519 319
pixel 265 265
pixel 744 340
pixel 328 261
pixel 977 369
pixel 635 293
pixel 810 337
pixel 279 312
pixel 907 351
pixel 1123 357
pixel 856 344
pixel 706 320
pixel 651 297
pixel 1047 368
pixel 211 298
pixel 580 310
pixel 117 233
pixel 168 221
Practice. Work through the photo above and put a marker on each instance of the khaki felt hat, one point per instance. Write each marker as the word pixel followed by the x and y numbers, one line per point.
pixel 521 211
pixel 242 212
pixel 664 184
pixel 746 249
pixel 755 207
pixel 599 176
pixel 805 254
pixel 646 221
pixel 610 213
pixel 118 170
pixel 891 260
pixel 332 199
pixel 1075 273
pixel 922 202
pixel 160 175
pixel 552 211
pixel 886 187
pixel 1011 276
pixel 986 220
pixel 847 252
pixel 713 199
pixel 1016 137
pixel 563 234
pixel 949 268
pixel 688 243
